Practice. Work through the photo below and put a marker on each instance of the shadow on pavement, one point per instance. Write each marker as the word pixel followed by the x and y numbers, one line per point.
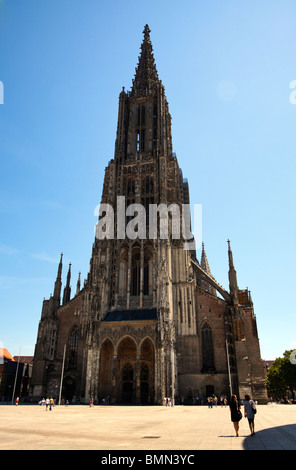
pixel 275 438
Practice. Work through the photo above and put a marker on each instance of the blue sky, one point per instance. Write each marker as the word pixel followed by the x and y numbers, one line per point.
pixel 226 67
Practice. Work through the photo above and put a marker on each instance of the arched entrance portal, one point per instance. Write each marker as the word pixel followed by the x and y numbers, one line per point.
pixel 136 369
pixel 126 356
pixel 69 388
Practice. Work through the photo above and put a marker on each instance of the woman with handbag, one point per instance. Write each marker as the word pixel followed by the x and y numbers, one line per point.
pixel 235 413
pixel 250 411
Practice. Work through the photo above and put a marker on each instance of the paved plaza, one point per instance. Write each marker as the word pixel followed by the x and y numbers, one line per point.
pixel 31 427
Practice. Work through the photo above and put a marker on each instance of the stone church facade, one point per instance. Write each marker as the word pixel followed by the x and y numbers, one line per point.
pixel 150 320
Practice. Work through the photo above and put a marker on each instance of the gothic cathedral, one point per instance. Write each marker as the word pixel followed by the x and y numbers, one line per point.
pixel 150 320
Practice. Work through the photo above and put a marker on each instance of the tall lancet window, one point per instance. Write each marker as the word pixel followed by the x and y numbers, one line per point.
pixel 129 191
pixel 208 364
pixel 123 271
pixel 141 115
pixel 73 347
pixel 135 271
pixel 130 188
pixel 147 281
pixel 140 133
pixel 147 194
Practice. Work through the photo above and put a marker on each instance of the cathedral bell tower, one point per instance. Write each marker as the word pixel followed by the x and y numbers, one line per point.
pixel 150 322
pixel 132 280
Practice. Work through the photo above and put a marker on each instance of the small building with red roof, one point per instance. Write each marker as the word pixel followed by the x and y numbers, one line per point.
pixel 15 376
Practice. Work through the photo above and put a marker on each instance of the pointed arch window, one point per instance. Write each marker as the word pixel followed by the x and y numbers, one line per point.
pixel 148 186
pixel 147 195
pixel 208 364
pixel 141 279
pixel 130 190
pixel 141 115
pixel 123 269
pixel 135 271
pixel 140 132
pixel 147 281
pixel 142 147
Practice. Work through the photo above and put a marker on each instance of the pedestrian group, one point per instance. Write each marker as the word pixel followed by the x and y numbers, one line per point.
pixel 249 413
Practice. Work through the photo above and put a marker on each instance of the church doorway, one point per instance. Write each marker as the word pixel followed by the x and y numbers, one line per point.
pixel 210 391
pixel 127 384
pixel 136 370
pixel 69 389
pixel 127 355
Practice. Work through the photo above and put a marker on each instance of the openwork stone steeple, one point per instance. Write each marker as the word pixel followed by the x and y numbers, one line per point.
pixel 146 79
pixel 144 121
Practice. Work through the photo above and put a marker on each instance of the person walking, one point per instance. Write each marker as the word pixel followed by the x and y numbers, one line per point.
pixel 235 413
pixel 250 411
pixel 50 403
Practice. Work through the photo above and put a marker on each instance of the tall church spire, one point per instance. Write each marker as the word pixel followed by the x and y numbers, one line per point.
pixel 204 260
pixel 232 274
pixel 58 283
pixel 144 121
pixel 67 290
pixel 78 285
pixel 204 264
pixel 146 78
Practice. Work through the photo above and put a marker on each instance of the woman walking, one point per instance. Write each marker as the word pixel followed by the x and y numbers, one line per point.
pixel 235 413
pixel 250 411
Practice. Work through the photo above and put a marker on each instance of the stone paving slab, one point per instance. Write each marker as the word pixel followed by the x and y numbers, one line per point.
pixel 123 428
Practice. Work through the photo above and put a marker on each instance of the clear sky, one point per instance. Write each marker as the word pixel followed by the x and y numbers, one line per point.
pixel 226 66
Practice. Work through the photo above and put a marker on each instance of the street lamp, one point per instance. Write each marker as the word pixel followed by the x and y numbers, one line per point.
pixel 17 368
pixel 62 375
pixel 228 366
